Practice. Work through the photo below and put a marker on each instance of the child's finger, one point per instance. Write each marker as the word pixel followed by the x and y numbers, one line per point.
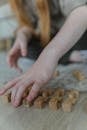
pixel 13 94
pixel 13 51
pixel 21 89
pixel 10 61
pixel 8 86
pixel 11 54
pixel 34 92
pixel 17 68
pixel 13 62
pixel 23 49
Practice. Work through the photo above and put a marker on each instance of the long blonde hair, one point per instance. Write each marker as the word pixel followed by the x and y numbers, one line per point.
pixel 43 15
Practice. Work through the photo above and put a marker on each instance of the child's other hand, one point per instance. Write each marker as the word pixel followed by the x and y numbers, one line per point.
pixel 37 76
pixel 19 49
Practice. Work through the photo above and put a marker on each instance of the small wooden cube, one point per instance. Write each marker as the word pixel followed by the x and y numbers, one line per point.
pixel 8 44
pixel 59 98
pixel 67 105
pixel 54 104
pixel 26 103
pixel 25 93
pixel 45 94
pixel 73 101
pixel 6 98
pixel 59 92
pixel 78 75
pixel 40 102
pixel 56 74
pixel 73 94
pixel 51 91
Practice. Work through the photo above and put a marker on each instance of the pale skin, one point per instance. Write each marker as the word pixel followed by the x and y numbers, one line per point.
pixel 42 70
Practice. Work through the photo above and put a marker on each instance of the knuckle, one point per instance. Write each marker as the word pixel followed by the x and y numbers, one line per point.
pixel 43 78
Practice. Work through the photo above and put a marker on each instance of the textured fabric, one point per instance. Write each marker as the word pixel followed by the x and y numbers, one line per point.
pixel 33 119
pixel 34 49
pixel 80 45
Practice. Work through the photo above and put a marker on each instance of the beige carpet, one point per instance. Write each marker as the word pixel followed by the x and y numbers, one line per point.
pixel 33 119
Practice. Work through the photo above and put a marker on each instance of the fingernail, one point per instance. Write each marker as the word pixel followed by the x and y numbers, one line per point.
pixel 16 103
pixel 24 53
pixel 29 99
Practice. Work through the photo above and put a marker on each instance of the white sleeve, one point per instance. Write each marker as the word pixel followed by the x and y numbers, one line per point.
pixel 67 6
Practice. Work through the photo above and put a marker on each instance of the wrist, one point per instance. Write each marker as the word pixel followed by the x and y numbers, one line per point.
pixel 50 56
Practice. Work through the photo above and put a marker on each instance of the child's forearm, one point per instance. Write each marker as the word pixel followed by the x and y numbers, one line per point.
pixel 72 30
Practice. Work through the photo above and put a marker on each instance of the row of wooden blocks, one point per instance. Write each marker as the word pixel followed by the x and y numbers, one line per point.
pixel 6 44
pixel 55 98
pixel 77 74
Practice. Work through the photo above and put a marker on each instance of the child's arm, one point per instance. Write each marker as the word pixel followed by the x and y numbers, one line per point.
pixel 41 72
pixel 71 32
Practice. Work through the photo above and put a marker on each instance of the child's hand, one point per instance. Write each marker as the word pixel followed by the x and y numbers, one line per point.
pixel 38 75
pixel 19 49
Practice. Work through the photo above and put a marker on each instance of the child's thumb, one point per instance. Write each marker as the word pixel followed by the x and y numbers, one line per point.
pixel 24 49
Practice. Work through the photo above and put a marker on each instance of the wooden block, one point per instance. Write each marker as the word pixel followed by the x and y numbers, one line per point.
pixel 26 103
pixel 59 98
pixel 46 92
pixel 27 92
pixel 56 74
pixel 54 104
pixel 78 75
pixel 73 101
pixel 8 44
pixel 3 45
pixel 6 98
pixel 67 105
pixel 73 94
pixel 40 102
pixel 51 91
pixel 59 92
pixel 40 92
